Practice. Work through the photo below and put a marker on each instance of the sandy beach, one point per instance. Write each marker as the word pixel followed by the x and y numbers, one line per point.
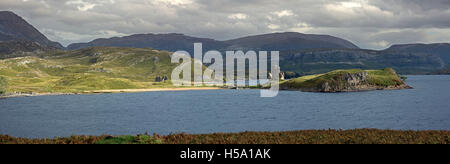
pixel 112 91
pixel 33 94
pixel 152 90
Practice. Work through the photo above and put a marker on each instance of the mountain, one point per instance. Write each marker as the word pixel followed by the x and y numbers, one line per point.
pixel 169 42
pixel 300 54
pixel 322 61
pixel 175 42
pixel 289 41
pixel 15 28
pixel 441 49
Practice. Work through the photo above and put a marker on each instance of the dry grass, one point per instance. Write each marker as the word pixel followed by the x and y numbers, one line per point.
pixel 4 139
pixel 358 136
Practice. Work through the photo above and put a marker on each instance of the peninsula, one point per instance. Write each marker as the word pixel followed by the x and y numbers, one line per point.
pixel 348 81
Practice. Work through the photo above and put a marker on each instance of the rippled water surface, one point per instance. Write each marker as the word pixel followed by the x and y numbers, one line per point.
pixel 425 107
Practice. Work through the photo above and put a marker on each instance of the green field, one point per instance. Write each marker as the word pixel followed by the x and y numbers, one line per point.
pixel 378 78
pixel 86 70
pixel 358 136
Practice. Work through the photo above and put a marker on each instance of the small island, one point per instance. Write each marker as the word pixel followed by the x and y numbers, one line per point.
pixel 348 81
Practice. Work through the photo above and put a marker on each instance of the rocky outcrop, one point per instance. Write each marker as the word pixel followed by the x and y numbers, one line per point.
pixel 346 82
pixel 343 81
pixel 354 82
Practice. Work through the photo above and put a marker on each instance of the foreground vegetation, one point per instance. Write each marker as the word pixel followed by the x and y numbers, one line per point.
pixel 358 136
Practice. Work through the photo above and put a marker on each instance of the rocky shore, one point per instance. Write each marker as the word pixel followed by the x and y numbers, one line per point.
pixel 17 94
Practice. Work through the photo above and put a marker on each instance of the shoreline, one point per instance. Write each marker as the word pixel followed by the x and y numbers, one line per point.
pixel 34 95
pixel 111 91
pixel 12 95
pixel 151 90
pixel 365 89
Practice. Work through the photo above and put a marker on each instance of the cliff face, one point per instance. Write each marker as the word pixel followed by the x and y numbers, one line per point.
pixel 348 81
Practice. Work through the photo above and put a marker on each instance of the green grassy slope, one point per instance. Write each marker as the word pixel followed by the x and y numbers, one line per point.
pixel 88 69
pixel 377 78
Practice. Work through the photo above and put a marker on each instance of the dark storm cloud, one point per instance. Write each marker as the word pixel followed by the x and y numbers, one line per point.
pixel 368 23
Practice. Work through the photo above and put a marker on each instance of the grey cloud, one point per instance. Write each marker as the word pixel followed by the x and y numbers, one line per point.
pixel 367 23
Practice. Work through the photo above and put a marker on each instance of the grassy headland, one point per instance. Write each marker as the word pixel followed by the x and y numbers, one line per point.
pixel 358 136
pixel 91 69
pixel 347 80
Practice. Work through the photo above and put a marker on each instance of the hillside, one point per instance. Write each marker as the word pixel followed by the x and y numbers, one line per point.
pixel 322 61
pixel 175 42
pixel 442 72
pixel 300 53
pixel 87 70
pixel 347 81
pixel 167 42
pixel 440 49
pixel 288 41
pixel 12 49
pixel 15 28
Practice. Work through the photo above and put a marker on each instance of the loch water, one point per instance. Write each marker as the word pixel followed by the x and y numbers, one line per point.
pixel 426 107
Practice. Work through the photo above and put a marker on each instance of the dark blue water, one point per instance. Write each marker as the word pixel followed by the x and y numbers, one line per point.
pixel 427 107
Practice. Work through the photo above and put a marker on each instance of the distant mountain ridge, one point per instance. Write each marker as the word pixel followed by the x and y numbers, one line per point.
pixel 289 41
pixel 322 61
pixel 175 42
pixel 299 53
pixel 169 42
pixel 15 28
pixel 441 49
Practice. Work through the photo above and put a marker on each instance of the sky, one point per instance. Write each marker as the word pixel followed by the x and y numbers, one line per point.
pixel 370 24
